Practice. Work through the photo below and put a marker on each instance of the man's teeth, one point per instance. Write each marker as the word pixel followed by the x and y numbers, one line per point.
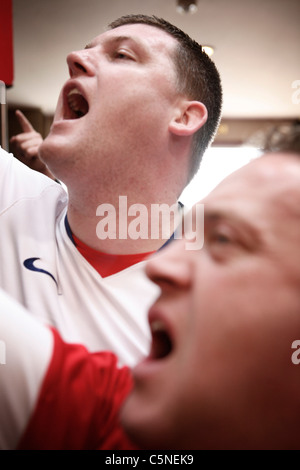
pixel 77 103
pixel 74 91
pixel 157 325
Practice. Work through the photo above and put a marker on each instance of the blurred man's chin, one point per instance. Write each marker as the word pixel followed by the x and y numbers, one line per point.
pixel 130 421
pixel 145 425
pixel 137 425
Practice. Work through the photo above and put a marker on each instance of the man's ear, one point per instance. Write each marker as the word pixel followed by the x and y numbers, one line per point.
pixel 191 116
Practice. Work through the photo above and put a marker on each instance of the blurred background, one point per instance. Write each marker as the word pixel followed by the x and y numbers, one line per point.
pixel 256 47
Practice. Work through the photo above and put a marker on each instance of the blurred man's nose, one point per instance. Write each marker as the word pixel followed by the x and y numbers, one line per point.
pixel 172 268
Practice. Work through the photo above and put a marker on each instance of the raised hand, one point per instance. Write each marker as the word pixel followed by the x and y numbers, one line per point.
pixel 25 146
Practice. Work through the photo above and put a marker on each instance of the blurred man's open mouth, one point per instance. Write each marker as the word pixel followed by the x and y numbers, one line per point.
pixel 162 344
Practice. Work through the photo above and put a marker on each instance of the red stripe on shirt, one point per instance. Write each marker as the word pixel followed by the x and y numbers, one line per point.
pixel 79 402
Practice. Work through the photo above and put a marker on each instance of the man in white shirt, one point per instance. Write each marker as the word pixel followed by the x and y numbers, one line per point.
pixel 131 122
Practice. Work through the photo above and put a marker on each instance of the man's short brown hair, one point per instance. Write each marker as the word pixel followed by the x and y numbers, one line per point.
pixel 198 78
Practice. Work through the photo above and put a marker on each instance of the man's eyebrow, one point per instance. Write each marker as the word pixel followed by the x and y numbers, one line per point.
pixel 215 215
pixel 117 40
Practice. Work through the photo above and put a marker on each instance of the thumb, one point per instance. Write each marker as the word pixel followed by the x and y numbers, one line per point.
pixel 24 123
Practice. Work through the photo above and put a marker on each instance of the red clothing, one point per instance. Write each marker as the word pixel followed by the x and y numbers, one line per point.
pixel 107 264
pixel 79 402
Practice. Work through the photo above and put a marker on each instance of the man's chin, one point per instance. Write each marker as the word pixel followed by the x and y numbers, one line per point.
pixel 51 154
pixel 45 151
pixel 54 146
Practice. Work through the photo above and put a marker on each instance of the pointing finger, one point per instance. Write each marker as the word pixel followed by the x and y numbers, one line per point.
pixel 24 123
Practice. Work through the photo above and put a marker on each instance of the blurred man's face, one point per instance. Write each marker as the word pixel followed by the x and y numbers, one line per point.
pixel 220 373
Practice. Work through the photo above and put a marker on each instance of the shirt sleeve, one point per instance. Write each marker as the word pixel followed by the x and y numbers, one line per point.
pixel 26 348
pixel 79 402
pixel 18 181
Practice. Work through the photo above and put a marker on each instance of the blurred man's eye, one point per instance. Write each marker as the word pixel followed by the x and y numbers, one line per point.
pixel 222 236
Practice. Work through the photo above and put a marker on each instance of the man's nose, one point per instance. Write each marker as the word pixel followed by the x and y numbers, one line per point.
pixel 79 64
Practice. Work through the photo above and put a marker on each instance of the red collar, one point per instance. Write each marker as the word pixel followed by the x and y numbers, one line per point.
pixel 107 264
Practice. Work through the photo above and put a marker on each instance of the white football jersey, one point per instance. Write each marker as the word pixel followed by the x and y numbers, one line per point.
pixel 42 269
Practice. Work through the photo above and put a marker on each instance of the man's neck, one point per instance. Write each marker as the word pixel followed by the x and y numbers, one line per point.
pixel 123 227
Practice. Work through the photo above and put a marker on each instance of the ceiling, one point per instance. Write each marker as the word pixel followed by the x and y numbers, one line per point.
pixel 257 47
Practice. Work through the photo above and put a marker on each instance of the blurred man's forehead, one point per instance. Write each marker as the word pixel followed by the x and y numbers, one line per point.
pixel 268 187
pixel 265 175
pixel 262 199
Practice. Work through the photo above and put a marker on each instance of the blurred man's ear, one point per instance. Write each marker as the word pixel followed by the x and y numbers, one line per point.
pixel 191 116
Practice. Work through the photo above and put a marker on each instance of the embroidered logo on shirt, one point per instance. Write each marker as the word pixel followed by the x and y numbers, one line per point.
pixel 29 264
